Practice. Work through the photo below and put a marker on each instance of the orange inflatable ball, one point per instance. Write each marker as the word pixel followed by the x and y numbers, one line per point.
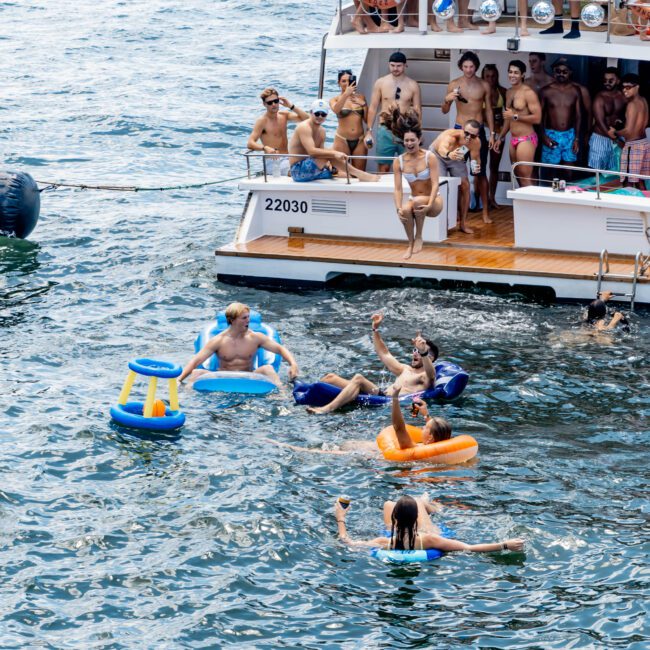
pixel 158 409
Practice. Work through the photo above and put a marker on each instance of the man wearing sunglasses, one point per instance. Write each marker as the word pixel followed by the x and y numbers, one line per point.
pixel 270 131
pixel 473 98
pixel 393 88
pixel 413 377
pixel 562 115
pixel 635 158
pixel 309 158
pixel 453 148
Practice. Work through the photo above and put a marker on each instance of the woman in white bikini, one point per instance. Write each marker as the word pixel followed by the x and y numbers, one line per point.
pixel 419 168
pixel 352 110
pixel 523 112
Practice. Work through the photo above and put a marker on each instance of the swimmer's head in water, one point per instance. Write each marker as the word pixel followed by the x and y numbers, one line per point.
pixel 416 359
pixel 597 310
pixel 404 524
pixel 436 430
pixel 236 309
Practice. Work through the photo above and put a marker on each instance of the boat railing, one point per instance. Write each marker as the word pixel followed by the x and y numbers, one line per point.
pixel 562 169
pixel 346 12
pixel 276 157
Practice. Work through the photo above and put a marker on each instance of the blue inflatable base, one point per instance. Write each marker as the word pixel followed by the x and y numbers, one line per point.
pixel 130 415
pixel 225 382
pixel 450 383
pixel 409 557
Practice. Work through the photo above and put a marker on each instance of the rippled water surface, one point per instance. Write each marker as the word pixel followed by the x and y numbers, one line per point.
pixel 215 537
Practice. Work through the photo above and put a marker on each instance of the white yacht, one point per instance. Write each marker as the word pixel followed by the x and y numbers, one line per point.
pixel 570 244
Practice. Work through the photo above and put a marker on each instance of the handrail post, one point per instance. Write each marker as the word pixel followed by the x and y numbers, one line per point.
pixel 264 167
pixel 347 171
pixel 248 166
pixel 321 78
pixel 340 16
pixel 423 10
pixel 598 185
pixel 610 12
pixel 517 18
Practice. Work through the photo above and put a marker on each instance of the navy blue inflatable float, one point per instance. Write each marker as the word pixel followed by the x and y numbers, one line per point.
pixel 450 383
pixel 20 204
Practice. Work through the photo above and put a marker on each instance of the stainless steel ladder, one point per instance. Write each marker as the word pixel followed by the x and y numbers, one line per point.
pixel 641 264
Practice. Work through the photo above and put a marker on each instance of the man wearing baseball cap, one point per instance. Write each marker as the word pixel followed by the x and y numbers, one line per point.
pixel 310 160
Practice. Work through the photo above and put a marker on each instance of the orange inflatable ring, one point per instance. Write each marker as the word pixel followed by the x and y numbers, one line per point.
pixel 447 452
pixel 382 4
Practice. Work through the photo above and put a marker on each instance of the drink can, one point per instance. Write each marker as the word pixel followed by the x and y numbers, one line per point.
pixel 556 185
pixel 415 409
pixel 344 501
pixel 561 186
pixel 475 166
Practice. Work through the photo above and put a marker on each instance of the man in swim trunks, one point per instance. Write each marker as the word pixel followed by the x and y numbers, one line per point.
pixel 561 117
pixel 270 131
pixel 392 88
pixel 236 348
pixel 310 160
pixel 609 110
pixel 417 376
pixel 635 158
pixel 473 98
pixel 452 148
pixel 523 112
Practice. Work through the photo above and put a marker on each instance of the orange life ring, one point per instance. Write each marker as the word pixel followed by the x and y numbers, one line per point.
pixel 447 452
pixel 382 4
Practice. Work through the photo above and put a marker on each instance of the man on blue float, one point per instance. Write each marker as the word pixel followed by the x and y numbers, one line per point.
pixel 309 158
pixel 236 348
pixel 415 377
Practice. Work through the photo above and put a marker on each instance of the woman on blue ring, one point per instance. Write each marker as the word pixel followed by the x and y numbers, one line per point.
pixel 412 529
pixel 153 368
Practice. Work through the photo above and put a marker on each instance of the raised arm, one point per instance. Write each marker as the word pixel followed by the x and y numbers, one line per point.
pixel 423 350
pixel 341 513
pixel 380 347
pixel 295 114
pixel 397 420
pixel 273 346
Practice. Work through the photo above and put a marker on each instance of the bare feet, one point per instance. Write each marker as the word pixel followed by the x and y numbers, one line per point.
pixel 417 246
pixel 466 24
pixel 490 29
pixel 359 26
pixel 451 27
pixel 494 205
pixel 486 218
pixel 523 31
pixel 409 252
pixel 466 229
pixel 433 26
pixel 317 410
pixel 397 30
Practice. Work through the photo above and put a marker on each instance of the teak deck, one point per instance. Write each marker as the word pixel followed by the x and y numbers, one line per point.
pixel 488 250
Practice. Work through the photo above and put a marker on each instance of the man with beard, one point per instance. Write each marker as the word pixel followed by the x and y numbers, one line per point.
pixel 561 116
pixel 609 110
pixel 414 377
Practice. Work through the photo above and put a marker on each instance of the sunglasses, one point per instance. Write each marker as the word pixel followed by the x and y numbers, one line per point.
pixel 426 354
pixel 320 114
pixel 628 86
pixel 398 93
pixel 272 101
pixel 469 135
pixel 562 71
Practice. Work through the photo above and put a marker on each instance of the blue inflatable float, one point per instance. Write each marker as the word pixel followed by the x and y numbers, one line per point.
pixel 237 382
pixel 450 383
pixel 408 557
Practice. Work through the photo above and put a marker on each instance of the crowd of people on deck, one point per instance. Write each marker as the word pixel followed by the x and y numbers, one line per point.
pixel 550 118
pixel 380 16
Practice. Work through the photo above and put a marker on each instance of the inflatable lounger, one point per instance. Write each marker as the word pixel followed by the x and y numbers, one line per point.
pixel 450 383
pixel 405 557
pixel 237 382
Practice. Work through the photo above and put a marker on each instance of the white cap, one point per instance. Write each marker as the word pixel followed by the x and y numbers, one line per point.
pixel 320 105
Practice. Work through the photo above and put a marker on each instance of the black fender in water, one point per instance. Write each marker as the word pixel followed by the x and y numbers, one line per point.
pixel 20 204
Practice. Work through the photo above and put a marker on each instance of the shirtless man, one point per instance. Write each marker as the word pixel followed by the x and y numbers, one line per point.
pixel 309 159
pixel 538 77
pixel 635 158
pixel 271 128
pixel 609 110
pixel 522 113
pixel 417 376
pixel 473 98
pixel 452 148
pixel 561 117
pixel 236 348
pixel 392 88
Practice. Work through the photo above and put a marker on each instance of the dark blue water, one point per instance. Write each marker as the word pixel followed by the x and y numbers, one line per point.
pixel 215 538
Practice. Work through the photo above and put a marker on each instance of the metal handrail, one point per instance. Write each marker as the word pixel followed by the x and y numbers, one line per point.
pixel 423 14
pixel 589 170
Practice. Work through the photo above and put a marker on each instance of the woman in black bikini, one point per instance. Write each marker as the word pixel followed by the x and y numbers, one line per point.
pixel 352 110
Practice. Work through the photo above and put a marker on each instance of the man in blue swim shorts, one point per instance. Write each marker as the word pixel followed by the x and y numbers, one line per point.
pixel 561 116
pixel 393 88
pixel 310 160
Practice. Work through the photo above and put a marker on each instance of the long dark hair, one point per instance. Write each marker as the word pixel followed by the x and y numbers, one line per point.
pixel 401 123
pixel 596 310
pixel 404 524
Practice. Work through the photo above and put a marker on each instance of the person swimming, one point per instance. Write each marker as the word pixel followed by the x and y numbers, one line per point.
pixel 597 314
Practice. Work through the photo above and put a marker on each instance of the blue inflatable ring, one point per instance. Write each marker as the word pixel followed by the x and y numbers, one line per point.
pixel 408 557
pixel 130 415
pixel 155 368
pixel 250 383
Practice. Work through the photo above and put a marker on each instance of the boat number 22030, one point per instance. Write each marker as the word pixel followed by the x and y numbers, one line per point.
pixel 285 205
